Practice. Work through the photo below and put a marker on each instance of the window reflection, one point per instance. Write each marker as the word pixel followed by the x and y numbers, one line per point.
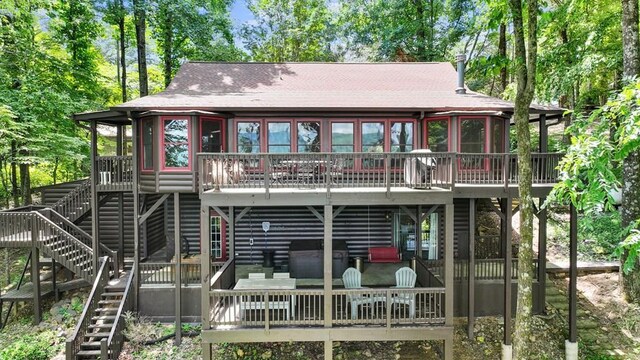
pixel 176 143
pixel 373 142
pixel 211 137
pixel 147 144
pixel 342 137
pixel 438 135
pixel 279 137
pixel 309 136
pixel 401 137
pixel 248 137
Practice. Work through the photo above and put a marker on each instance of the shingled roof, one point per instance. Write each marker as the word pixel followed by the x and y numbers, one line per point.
pixel 318 87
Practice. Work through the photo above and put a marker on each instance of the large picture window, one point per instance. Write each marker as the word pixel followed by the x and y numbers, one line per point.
pixel 401 137
pixel 279 137
pixel 176 144
pixel 437 135
pixel 308 136
pixel 248 137
pixel 372 137
pixel 473 140
pixel 147 144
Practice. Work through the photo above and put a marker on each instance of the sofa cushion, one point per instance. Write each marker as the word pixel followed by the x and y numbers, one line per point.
pixel 386 254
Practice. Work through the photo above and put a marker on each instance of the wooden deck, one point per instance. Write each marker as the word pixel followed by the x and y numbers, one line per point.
pixel 561 269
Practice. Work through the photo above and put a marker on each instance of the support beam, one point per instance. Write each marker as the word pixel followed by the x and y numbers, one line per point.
pixel 429 212
pixel 244 212
pixel 542 255
pixel 418 231
pixel 573 273
pixel 205 274
pixel 222 214
pixel 178 257
pixel 316 213
pixel 232 233
pixel 448 278
pixel 328 265
pixel 95 206
pixel 409 213
pixel 35 280
pixel 338 211
pixel 153 208
pixel 507 274
pixel 136 215
pixel 120 260
pixel 472 268
pixel 498 212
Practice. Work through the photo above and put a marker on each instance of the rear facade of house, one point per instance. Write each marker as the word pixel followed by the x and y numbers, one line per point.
pixel 303 169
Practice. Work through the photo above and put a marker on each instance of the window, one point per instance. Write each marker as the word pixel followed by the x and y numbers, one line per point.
pixel 308 136
pixel 372 142
pixel 211 135
pixel 437 135
pixel 473 140
pixel 217 237
pixel 401 136
pixel 248 137
pixel 279 137
pixel 147 144
pixel 176 144
pixel 342 137
pixel 430 237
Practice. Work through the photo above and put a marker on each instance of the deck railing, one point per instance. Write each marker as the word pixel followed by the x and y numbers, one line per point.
pixel 111 347
pixel 305 307
pixel 365 170
pixel 76 203
pixel 164 273
pixel 115 173
pixel 485 269
pixel 77 337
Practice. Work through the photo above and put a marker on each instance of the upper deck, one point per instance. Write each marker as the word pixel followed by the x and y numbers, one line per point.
pixel 416 177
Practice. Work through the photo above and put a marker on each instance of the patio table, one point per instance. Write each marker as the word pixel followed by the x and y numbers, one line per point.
pixel 249 303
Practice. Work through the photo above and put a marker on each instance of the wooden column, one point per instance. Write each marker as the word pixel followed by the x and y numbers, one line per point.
pixel 119 151
pixel 573 273
pixel 544 134
pixel 136 214
pixel 232 233
pixel 448 278
pixel 472 268
pixel 507 272
pixel 542 254
pixel 503 228
pixel 418 247
pixel 178 256
pixel 205 273
pixel 35 280
pixel 95 211
pixel 328 277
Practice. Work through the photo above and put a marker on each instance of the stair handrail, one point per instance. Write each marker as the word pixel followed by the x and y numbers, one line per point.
pixel 78 196
pixel 74 341
pixel 113 254
pixel 43 244
pixel 116 336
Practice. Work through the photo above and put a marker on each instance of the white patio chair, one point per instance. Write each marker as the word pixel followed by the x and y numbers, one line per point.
pixel 281 275
pixel 256 276
pixel 406 278
pixel 352 280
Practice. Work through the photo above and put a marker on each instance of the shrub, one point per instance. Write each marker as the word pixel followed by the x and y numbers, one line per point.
pixel 29 347
pixel 599 234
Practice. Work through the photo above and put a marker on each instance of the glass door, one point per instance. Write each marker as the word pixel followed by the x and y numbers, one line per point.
pixel 217 237
pixel 404 235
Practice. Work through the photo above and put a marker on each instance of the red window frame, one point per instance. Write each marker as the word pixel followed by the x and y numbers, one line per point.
pixel 425 131
pixel 487 128
pixel 163 166
pixel 142 143
pixel 222 129
pixel 292 134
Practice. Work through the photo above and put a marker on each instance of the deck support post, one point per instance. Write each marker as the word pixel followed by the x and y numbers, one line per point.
pixel 136 217
pixel 178 257
pixel 472 268
pixel 418 232
pixel 542 255
pixel 328 277
pixel 232 233
pixel 205 273
pixel 448 278
pixel 95 210
pixel 507 273
pixel 572 342
pixel 120 261
pixel 35 280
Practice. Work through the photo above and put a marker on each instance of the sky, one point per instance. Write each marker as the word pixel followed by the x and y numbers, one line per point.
pixel 240 14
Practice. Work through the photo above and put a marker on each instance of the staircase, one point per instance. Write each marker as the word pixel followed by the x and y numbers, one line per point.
pixel 99 330
pixel 76 203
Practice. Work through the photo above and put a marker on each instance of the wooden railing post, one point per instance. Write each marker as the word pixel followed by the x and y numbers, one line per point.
pixel 506 171
pixel 387 173
pixel 267 174
pixel 454 169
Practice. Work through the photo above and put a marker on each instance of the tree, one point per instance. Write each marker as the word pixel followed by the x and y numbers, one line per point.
pixel 139 13
pixel 630 209
pixel 422 30
pixel 290 30
pixel 115 13
pixel 525 73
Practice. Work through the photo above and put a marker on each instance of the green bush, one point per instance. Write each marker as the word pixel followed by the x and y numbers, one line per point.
pixel 30 347
pixel 599 234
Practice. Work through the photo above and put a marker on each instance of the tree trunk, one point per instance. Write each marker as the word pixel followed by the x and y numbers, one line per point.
pixel 25 182
pixel 168 45
pixel 630 208
pixel 141 42
pixel 420 33
pixel 123 57
pixel 525 72
pixel 15 192
pixel 502 54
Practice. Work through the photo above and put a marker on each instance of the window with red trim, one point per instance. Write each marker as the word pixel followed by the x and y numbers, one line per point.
pixel 147 144
pixel 401 136
pixel 211 135
pixel 473 139
pixel 437 134
pixel 248 137
pixel 342 137
pixel 497 133
pixel 279 137
pixel 175 143
pixel 308 136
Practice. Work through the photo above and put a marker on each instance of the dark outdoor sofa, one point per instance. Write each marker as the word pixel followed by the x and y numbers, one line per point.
pixel 305 258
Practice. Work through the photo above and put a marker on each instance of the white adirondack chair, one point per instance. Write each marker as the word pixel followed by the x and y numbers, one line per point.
pixel 406 278
pixel 352 280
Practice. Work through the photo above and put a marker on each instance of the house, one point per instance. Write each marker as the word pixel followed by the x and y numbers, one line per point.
pixel 298 168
